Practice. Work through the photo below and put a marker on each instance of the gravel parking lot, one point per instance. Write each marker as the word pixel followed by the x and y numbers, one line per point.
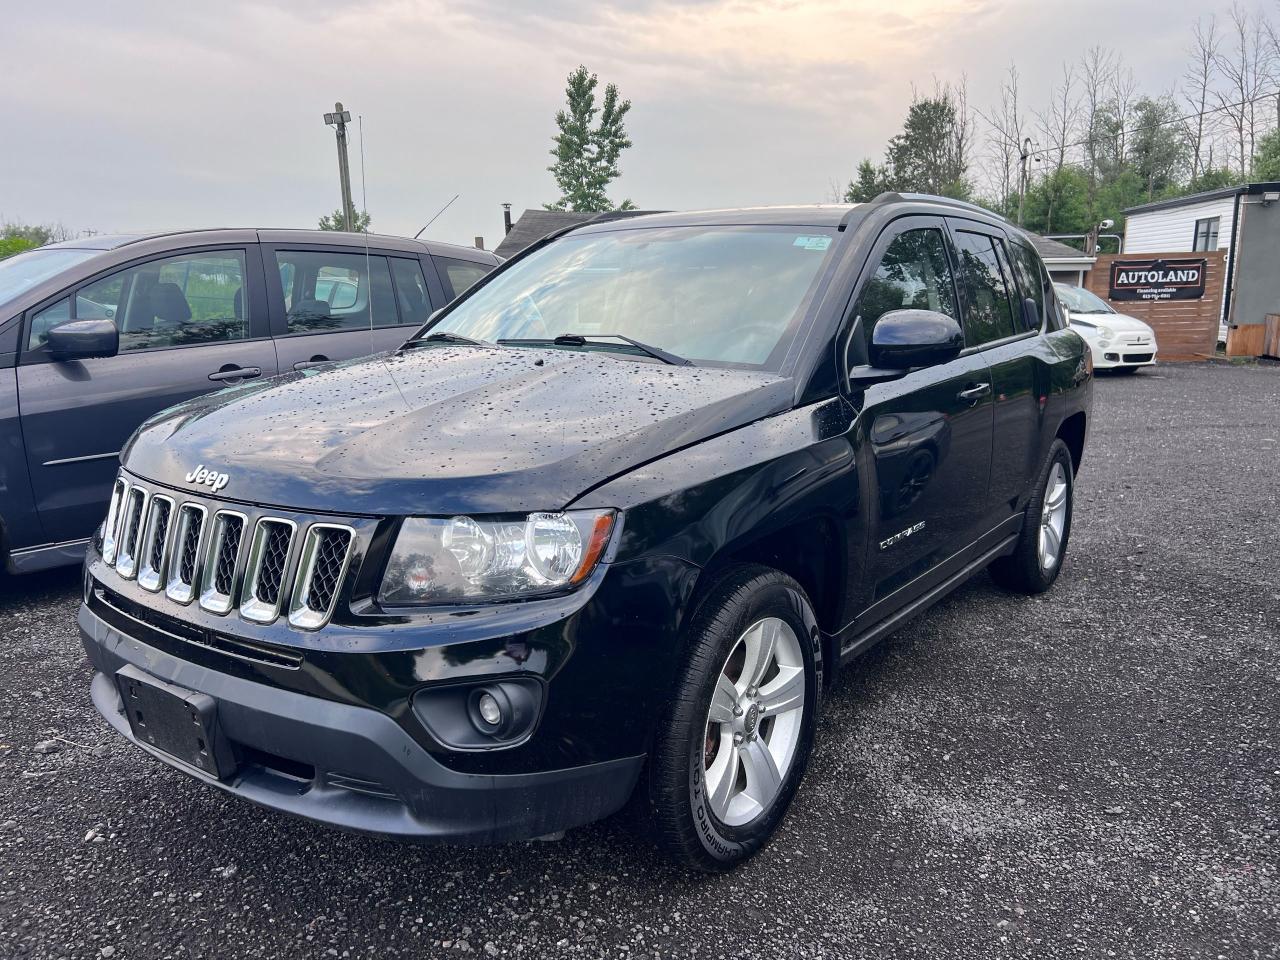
pixel 1089 773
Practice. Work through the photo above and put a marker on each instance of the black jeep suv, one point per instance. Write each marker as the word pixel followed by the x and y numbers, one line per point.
pixel 603 530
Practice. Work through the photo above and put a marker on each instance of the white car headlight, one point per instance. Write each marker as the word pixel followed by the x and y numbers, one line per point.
pixel 464 559
pixel 1105 332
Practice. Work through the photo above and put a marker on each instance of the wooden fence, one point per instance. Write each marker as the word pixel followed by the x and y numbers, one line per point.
pixel 1185 329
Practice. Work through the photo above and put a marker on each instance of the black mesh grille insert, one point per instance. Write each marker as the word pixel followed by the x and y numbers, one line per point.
pixel 162 511
pixel 275 554
pixel 225 563
pixel 190 543
pixel 331 551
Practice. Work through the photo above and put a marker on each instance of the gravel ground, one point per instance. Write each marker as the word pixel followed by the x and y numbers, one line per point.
pixel 1089 773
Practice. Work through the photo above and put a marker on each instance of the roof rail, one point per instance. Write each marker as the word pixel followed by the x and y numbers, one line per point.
pixel 894 197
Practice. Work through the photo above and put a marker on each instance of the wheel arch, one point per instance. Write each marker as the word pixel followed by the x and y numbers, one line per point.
pixel 1072 433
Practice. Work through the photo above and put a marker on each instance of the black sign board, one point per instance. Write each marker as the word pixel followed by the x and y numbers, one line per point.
pixel 1157 279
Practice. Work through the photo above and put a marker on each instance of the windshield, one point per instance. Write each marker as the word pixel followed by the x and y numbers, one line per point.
pixel 731 295
pixel 27 269
pixel 1080 300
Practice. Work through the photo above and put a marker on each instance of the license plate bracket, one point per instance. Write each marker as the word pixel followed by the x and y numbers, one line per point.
pixel 180 723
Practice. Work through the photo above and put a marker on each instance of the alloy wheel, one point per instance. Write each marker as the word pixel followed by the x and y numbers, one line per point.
pixel 754 722
pixel 1053 517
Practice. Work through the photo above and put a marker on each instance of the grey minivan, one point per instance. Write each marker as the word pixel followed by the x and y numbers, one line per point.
pixel 98 334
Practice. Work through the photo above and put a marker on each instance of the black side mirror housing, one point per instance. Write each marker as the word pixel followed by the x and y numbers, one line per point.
pixel 902 339
pixel 83 339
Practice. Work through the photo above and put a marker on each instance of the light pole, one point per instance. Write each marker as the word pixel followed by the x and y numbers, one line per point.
pixel 339 120
pixel 1022 184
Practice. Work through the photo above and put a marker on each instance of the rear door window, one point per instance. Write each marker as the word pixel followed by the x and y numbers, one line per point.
pixel 988 305
pixel 411 291
pixel 1031 281
pixel 326 291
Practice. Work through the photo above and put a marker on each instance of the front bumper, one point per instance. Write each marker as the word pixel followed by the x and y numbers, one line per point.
pixel 350 766
pixel 1126 350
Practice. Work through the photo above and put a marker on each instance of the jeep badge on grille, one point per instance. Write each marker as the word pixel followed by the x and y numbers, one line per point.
pixel 211 478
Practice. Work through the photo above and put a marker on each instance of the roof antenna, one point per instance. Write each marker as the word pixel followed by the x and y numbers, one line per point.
pixel 364 211
pixel 433 219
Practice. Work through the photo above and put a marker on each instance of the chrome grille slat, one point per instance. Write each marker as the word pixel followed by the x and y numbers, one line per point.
pixel 258 564
pixel 154 547
pixel 264 572
pixel 135 508
pixel 326 553
pixel 218 581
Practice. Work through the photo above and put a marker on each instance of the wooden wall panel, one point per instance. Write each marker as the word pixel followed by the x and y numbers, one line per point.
pixel 1185 329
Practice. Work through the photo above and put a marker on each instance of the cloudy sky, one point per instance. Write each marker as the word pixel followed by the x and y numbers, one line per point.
pixel 151 115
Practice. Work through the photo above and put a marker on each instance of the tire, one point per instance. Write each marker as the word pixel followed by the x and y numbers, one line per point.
pixel 1026 569
pixel 714 833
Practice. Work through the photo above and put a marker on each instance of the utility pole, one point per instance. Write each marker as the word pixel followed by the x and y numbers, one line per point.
pixel 339 120
pixel 1022 180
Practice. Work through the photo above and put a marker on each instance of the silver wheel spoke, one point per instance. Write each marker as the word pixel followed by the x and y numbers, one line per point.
pixel 1057 496
pixel 763 778
pixel 784 692
pixel 759 642
pixel 1051 541
pixel 721 791
pixel 723 700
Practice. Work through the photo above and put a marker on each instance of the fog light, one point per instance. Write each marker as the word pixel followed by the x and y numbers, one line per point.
pixel 490 711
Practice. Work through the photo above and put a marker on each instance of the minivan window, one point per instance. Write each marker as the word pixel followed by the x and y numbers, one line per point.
pixel 25 270
pixel 460 274
pixel 326 291
pixel 196 298
pixel 1030 277
pixel 411 291
pixel 46 320
pixel 989 314
pixel 715 294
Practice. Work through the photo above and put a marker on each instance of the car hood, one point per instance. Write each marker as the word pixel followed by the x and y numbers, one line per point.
pixel 446 429
pixel 1119 322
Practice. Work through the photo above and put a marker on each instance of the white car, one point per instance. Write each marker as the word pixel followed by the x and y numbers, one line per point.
pixel 1118 342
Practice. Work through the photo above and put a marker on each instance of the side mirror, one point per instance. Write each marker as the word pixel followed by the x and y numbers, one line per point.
pixel 82 339
pixel 914 338
pixel 1031 313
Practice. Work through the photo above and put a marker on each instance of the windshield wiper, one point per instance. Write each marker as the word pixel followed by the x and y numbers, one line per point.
pixel 582 339
pixel 445 336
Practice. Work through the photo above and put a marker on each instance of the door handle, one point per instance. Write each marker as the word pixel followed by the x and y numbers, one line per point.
pixel 313 362
pixel 237 373
pixel 975 393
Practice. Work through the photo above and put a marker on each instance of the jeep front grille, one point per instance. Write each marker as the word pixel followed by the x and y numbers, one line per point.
pixel 260 564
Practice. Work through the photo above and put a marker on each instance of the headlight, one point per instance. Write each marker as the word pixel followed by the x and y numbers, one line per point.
pixel 464 559
pixel 1105 332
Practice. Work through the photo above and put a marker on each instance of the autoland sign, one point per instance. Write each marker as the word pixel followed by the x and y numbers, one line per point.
pixel 1157 279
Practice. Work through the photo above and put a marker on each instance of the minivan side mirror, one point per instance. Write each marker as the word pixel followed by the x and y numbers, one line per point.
pixel 902 339
pixel 83 339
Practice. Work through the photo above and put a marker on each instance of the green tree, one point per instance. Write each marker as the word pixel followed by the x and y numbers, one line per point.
pixel 11 245
pixel 870 182
pixel 1059 202
pixel 1266 158
pixel 586 155
pixel 928 155
pixel 1157 145
pixel 336 221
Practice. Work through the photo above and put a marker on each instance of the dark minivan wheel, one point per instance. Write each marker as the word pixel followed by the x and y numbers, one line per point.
pixel 1035 564
pixel 732 745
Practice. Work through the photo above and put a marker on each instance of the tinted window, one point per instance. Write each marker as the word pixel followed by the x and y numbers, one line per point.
pixel 460 274
pixel 989 312
pixel 411 291
pixel 1206 235
pixel 46 320
pixel 913 274
pixel 1031 280
pixel 173 302
pixel 335 291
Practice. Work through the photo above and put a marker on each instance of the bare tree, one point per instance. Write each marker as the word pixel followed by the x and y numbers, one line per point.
pixel 1058 123
pixel 963 134
pixel 1008 124
pixel 1197 85
pixel 1098 68
pixel 1124 88
pixel 1244 68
